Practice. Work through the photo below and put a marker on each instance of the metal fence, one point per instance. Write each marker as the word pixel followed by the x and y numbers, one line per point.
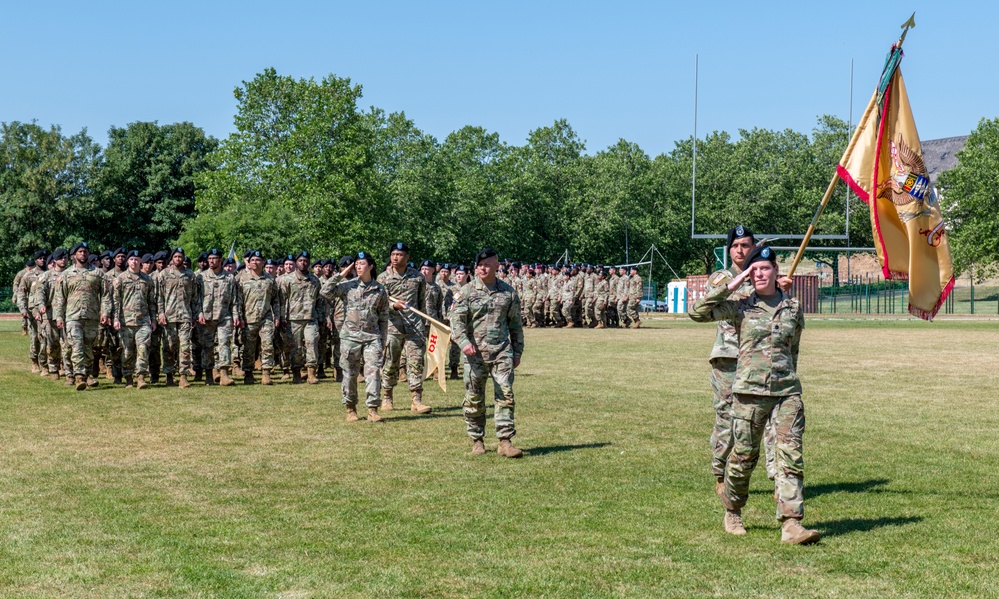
pixel 872 294
pixel 7 300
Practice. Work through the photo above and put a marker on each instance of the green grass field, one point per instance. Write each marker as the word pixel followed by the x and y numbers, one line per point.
pixel 247 492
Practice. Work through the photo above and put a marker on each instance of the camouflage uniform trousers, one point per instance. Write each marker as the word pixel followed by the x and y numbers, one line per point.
pixel 135 342
pixel 216 338
pixel 569 311
pixel 750 414
pixel 622 312
pixel 539 311
pixel 81 335
pixel 282 346
pixel 35 351
pixel 258 334
pixel 477 373
pixel 589 316
pixel 555 313
pixel 355 355
pixel 304 342
pixel 237 348
pixel 526 313
pixel 633 305
pixel 722 378
pixel 413 345
pixel 599 311
pixel 177 347
pixel 52 338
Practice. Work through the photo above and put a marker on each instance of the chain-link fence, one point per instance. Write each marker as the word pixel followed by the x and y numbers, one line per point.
pixel 872 294
pixel 7 300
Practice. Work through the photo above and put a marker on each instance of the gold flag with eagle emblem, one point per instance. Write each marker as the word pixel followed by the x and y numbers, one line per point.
pixel 883 164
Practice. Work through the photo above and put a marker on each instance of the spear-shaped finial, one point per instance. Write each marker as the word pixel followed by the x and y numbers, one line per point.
pixel 905 28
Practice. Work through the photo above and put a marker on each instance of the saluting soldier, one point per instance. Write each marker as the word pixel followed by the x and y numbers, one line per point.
pixel 363 333
pixel 217 316
pixel 82 304
pixel 134 319
pixel 486 323
pixel 406 331
pixel 300 298
pixel 178 305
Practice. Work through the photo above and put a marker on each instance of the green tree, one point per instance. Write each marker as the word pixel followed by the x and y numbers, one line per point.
pixel 45 197
pixel 145 188
pixel 971 202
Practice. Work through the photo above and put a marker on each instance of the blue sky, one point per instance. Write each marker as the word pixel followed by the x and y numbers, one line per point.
pixel 614 70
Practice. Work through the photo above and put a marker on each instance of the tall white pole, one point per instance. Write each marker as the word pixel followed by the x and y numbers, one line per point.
pixel 849 136
pixel 693 173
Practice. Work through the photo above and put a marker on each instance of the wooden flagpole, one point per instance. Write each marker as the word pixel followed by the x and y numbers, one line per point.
pixel 428 317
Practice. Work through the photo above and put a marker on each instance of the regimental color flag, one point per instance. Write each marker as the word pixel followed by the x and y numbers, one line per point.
pixel 438 342
pixel 884 166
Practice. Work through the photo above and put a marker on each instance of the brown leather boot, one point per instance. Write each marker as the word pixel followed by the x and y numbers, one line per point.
pixel 296 376
pixel 69 380
pixel 224 379
pixel 183 384
pixel 140 382
pixel 92 382
pixel 733 523
pixel 54 376
pixel 417 405
pixel 285 376
pixel 215 374
pixel 793 533
pixel 571 325
pixel 387 400
pixel 478 447
pixel 128 382
pixel 81 382
pixel 373 415
pixel 600 325
pixel 35 369
pixel 351 414
pixel 266 379
pixel 507 449
pixel 312 376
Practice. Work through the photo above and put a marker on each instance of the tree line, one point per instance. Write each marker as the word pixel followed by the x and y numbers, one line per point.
pixel 309 167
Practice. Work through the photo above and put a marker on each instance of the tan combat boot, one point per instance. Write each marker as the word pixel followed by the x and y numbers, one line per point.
pixel 733 523
pixel 417 405
pixel 285 376
pixel 35 369
pixel 387 400
pixel 351 414
pixel 600 325
pixel 266 380
pixel 237 371
pixel 719 487
pixel 312 376
pixel 183 384
pixel 373 415
pixel 478 447
pixel 571 325
pixel 140 382
pixel 54 376
pixel 92 382
pixel 81 382
pixel 128 382
pixel 224 379
pixel 793 533
pixel 69 380
pixel 507 449
pixel 108 371
pixel 636 324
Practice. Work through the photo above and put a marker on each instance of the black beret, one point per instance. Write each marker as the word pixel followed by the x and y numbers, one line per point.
pixel 738 232
pixel 132 254
pixel 228 261
pixel 29 262
pixel 461 268
pixel 92 259
pixel 446 265
pixel 252 254
pixel 346 261
pixel 289 257
pixel 303 254
pixel 516 264
pixel 202 256
pixel 80 245
pixel 398 247
pixel 105 254
pixel 178 251
pixel 483 254
pixel 410 264
pixel 246 254
pixel 761 253
pixel 147 258
pixel 214 252
pixel 318 263
pixel 187 260
pixel 59 254
pixel 361 256
pixel 41 254
pixel 160 255
pixel 428 263
pixel 121 250
pixel 271 262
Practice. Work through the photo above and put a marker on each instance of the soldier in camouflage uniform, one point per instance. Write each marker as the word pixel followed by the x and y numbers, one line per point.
pixel 460 273
pixel 406 332
pixel 324 321
pixel 435 295
pixel 197 353
pixel 766 386
pixel 589 282
pixel 56 356
pixel 555 299
pixel 134 318
pixel 299 300
pixel 17 284
pixel 569 292
pixel 82 304
pixel 601 297
pixel 260 303
pixel 541 298
pixel 634 291
pixel 623 286
pixel 110 340
pixel 529 296
pixel 26 302
pixel 363 332
pixel 486 323
pixel 178 304
pixel 156 343
pixel 217 316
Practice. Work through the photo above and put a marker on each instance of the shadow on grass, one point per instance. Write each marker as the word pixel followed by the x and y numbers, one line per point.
pixel 863 486
pixel 835 528
pixel 538 451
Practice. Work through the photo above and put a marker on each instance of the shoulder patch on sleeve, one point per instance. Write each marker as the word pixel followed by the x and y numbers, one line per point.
pixel 717 278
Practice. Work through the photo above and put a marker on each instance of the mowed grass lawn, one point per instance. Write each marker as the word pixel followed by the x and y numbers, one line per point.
pixel 246 492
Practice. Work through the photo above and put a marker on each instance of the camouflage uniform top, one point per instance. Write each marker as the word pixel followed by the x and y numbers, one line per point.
pixel 435 300
pixel 366 307
pixel 488 318
pixel 601 289
pixel 727 339
pixel 24 291
pixel 589 280
pixel 448 288
pixel 299 296
pixel 612 286
pixel 569 289
pixel 17 285
pixel 555 287
pixel 177 296
pixel 45 291
pixel 409 287
pixel 623 284
pixel 529 290
pixel 219 299
pixel 81 295
pixel 134 299
pixel 635 289
pixel 769 337
pixel 259 298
